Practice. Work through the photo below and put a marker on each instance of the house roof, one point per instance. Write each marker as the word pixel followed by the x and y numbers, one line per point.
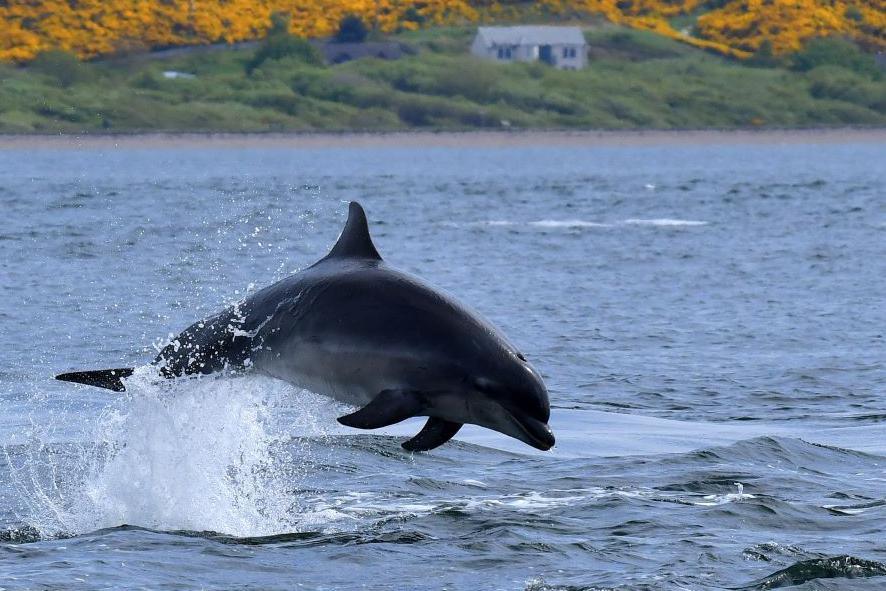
pixel 531 35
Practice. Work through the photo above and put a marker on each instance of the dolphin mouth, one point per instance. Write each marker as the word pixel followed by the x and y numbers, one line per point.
pixel 534 432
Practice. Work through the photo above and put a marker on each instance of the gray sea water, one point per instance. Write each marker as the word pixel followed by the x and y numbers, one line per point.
pixel 709 319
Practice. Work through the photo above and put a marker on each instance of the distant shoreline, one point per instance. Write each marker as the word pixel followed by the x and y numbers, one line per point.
pixel 445 139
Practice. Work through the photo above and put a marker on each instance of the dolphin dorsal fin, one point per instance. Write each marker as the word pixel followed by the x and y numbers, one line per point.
pixel 355 241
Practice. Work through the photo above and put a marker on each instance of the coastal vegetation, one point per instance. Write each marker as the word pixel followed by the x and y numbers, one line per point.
pixel 738 28
pixel 636 79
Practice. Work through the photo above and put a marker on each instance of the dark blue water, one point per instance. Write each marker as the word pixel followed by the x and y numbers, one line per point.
pixel 710 321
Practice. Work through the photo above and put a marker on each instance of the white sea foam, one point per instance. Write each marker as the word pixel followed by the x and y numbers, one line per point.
pixel 580 224
pixel 534 500
pixel 568 224
pixel 548 224
pixel 344 509
pixel 664 222
pixel 714 500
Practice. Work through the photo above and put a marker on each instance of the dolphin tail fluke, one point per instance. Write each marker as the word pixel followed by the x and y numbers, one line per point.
pixel 435 433
pixel 111 379
pixel 389 407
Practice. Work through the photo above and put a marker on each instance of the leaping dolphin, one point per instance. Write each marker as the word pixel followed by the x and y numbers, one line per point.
pixel 354 329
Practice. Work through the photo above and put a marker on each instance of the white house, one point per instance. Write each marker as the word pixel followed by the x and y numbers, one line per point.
pixel 564 48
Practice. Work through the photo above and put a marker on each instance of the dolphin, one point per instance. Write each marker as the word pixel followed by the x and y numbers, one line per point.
pixel 363 333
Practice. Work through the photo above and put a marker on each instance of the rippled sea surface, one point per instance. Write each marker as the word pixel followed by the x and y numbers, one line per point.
pixel 709 319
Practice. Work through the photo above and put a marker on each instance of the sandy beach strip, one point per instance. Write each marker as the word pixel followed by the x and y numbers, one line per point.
pixel 467 139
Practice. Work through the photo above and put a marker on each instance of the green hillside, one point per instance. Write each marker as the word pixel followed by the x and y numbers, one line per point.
pixel 635 80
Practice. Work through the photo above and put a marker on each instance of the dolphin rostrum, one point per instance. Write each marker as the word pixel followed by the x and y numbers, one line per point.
pixel 354 329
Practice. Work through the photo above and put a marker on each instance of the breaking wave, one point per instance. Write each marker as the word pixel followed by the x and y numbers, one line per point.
pixel 847 567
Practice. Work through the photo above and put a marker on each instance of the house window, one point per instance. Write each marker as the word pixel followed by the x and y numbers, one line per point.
pixel 504 53
pixel 569 52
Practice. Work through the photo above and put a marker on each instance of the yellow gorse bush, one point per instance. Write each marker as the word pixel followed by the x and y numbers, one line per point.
pixel 786 24
pixel 740 27
pixel 96 27
pixel 91 28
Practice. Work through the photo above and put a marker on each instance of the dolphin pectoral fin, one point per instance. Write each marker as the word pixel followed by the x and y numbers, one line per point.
pixel 110 379
pixel 389 407
pixel 435 433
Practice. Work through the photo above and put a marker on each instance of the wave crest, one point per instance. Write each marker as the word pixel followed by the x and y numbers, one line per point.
pixel 845 566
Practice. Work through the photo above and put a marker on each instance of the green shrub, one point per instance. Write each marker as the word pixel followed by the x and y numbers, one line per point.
pixel 280 43
pixel 476 80
pixel 62 111
pixel 342 87
pixel 479 118
pixel 16 121
pixel 764 58
pixel 6 70
pixel 424 111
pixel 853 14
pixel 831 82
pixel 536 70
pixel 417 113
pixel 283 101
pixel 63 67
pixel 374 119
pixel 834 51
pixel 406 75
pixel 633 44
pixel 146 79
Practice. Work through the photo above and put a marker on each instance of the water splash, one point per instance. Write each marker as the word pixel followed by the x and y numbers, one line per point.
pixel 210 454
pixel 713 500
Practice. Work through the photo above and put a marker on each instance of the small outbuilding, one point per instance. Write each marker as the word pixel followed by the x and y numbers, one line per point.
pixel 564 48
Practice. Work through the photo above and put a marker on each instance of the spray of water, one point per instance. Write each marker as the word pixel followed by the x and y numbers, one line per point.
pixel 210 454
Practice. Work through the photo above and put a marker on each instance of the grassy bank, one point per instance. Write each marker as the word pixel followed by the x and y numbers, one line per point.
pixel 635 80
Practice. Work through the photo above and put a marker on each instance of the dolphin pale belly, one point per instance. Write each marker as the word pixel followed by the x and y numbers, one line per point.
pixel 354 329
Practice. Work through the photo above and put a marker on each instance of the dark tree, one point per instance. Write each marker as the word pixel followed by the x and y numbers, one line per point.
pixel 351 29
pixel 280 43
pixel 834 51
